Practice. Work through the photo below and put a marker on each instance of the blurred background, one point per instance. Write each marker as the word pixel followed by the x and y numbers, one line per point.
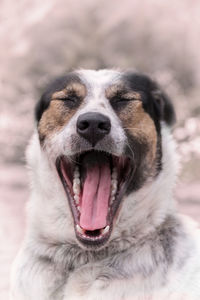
pixel 42 39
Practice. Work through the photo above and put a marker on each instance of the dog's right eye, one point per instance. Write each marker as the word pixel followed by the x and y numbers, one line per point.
pixel 71 99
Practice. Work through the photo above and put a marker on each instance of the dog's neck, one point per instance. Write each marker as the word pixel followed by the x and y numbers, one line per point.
pixel 156 251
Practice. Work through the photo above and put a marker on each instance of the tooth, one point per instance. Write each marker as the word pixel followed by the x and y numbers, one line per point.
pixel 76 188
pixel 114 173
pixel 114 184
pixel 76 198
pixel 105 230
pixel 76 181
pixel 112 199
pixel 79 208
pixel 79 229
pixel 76 173
pixel 113 192
pixel 114 181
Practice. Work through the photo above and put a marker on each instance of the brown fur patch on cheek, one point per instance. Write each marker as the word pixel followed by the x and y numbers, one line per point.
pixel 54 119
pixel 140 126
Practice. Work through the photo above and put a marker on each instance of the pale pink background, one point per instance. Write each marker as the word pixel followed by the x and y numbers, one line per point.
pixel 42 39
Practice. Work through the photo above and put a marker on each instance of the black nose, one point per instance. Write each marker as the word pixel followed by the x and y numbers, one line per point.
pixel 93 126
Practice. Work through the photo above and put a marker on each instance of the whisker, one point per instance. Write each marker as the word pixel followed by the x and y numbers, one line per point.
pixel 135 128
pixel 131 150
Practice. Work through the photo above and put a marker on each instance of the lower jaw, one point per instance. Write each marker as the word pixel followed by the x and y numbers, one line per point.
pixel 96 242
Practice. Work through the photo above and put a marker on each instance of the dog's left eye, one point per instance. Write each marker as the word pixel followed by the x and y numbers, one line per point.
pixel 119 102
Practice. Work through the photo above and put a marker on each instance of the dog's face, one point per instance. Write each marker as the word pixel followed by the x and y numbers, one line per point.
pixel 101 130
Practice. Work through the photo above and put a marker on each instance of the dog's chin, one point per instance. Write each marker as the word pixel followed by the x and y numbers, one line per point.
pixel 95 183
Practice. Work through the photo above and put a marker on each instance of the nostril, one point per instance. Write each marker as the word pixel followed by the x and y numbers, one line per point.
pixel 83 125
pixel 104 126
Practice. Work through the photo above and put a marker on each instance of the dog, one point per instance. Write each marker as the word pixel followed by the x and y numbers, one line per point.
pixel 102 221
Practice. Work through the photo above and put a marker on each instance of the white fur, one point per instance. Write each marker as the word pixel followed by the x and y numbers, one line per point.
pixel 50 228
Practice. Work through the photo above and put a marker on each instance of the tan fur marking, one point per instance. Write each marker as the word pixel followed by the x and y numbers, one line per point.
pixel 77 88
pixel 58 114
pixel 54 118
pixel 115 90
pixel 140 125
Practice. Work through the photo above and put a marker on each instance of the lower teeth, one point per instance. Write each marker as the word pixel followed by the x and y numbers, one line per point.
pixel 79 229
pixel 103 231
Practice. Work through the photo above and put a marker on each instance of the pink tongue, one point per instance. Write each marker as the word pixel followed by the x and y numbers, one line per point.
pixel 96 193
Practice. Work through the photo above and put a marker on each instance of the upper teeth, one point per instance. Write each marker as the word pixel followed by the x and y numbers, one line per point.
pixel 103 231
pixel 114 184
pixel 76 186
pixel 76 172
pixel 76 198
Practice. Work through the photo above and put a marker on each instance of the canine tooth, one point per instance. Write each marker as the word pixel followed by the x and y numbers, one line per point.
pixel 79 229
pixel 105 230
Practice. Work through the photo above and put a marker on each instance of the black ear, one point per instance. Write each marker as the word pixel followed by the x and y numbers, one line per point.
pixel 41 106
pixel 162 105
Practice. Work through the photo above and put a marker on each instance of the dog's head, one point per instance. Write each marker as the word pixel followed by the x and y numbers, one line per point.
pixel 101 130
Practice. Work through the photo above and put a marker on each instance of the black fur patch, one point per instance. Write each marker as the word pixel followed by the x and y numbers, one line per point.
pixel 155 102
pixel 140 170
pixel 56 85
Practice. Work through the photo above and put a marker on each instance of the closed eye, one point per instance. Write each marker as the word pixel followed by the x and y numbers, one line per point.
pixel 69 98
pixel 65 96
pixel 121 99
pixel 120 102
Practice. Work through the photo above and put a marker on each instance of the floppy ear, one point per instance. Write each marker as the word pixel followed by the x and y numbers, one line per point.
pixel 163 106
pixel 41 106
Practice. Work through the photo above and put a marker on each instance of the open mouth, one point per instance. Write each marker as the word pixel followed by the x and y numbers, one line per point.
pixel 95 183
